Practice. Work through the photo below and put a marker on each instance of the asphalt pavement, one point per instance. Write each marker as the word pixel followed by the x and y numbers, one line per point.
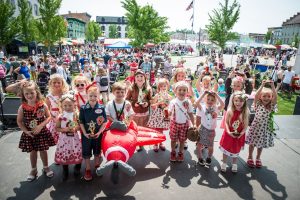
pixel 156 178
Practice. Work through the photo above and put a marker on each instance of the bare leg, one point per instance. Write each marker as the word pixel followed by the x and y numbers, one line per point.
pixel 199 147
pixel 181 146
pixel 251 149
pixel 225 158
pixel 97 160
pixel 44 158
pixel 259 151
pixel 234 160
pixel 33 159
pixel 173 144
pixel 210 151
pixel 88 164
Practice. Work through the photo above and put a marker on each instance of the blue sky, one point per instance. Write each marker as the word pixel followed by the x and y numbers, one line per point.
pixel 256 15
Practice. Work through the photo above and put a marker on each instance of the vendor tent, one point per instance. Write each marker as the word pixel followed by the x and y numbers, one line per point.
pixel 285 47
pixel 119 45
pixel 268 46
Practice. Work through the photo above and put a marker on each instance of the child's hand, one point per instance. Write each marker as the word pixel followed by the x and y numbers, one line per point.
pixel 214 115
pixel 97 135
pixel 29 133
pixel 37 129
pixel 136 105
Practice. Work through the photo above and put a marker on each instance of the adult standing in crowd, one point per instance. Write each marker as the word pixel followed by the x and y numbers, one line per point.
pixel 288 76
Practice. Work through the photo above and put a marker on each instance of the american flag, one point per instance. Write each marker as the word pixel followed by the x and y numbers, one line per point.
pixel 190 6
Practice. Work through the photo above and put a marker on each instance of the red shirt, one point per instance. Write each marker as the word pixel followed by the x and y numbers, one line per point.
pixel 130 79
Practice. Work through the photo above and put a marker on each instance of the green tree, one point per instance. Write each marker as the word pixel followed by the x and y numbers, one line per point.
pixel 8 23
pixel 144 24
pixel 97 31
pixel 26 22
pixel 113 31
pixel 90 33
pixel 51 27
pixel 222 22
pixel 295 42
pixel 278 42
pixel 268 36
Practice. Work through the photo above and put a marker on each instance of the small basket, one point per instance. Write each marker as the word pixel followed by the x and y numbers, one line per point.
pixel 193 134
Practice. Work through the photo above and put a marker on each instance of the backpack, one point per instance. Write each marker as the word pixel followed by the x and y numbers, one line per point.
pixel 103 81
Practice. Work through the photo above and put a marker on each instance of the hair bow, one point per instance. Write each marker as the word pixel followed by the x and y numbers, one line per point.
pixel 239 78
pixel 93 84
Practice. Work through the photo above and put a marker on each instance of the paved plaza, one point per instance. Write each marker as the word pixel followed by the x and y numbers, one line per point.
pixel 156 178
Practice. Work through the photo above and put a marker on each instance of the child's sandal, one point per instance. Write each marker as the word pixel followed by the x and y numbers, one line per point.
pixel 48 172
pixel 33 175
pixel 162 147
pixel 258 164
pixel 250 163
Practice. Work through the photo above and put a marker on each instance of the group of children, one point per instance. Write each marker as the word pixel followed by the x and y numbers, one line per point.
pixel 74 120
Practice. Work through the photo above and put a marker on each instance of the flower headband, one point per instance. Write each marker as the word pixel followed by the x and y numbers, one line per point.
pixel 242 95
pixel 67 96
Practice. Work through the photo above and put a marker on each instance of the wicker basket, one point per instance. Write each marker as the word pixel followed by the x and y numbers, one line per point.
pixel 193 134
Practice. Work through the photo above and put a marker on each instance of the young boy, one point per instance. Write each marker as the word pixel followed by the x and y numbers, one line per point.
pixel 92 119
pixel 119 108
pixel 181 113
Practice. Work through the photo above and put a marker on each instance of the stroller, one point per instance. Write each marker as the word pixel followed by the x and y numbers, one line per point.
pixel 122 69
pixel 42 81
pixel 113 77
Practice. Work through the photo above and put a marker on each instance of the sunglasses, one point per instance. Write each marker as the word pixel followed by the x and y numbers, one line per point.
pixel 78 85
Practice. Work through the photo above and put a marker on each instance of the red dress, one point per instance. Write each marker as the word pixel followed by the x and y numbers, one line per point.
pixel 232 146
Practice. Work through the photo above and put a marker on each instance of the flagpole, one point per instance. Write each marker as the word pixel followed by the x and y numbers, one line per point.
pixel 193 16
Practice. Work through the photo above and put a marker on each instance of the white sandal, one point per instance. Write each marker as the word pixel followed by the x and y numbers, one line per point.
pixel 223 167
pixel 234 168
pixel 33 175
pixel 48 172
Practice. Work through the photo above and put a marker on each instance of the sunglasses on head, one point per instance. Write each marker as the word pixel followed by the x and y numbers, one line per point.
pixel 78 85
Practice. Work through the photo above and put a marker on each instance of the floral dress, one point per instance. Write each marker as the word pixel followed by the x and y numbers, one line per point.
pixel 54 111
pixel 158 117
pixel 261 132
pixel 68 149
pixel 33 116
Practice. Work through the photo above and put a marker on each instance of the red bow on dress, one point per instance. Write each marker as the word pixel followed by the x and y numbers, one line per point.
pixel 93 84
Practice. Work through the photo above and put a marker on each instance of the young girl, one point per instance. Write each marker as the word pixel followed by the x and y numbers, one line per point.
pixel 102 81
pixel 33 115
pixel 80 83
pixel 32 70
pixel 233 138
pixel 181 112
pixel 139 95
pixel 57 87
pixel 159 119
pixel 68 150
pixel 87 72
pixel 261 133
pixel 233 84
pixel 207 117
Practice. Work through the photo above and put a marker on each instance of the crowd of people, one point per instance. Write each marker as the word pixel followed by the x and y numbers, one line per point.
pixel 76 111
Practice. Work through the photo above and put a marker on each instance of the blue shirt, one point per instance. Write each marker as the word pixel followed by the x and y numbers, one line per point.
pixel 146 67
pixel 89 116
pixel 25 71
pixel 81 61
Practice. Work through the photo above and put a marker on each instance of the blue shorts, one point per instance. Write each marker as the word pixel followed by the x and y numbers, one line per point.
pixel 90 146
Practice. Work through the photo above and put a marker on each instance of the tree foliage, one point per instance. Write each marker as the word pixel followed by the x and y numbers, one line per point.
pixel 295 42
pixel 51 27
pixel 113 31
pixel 26 22
pixel 222 22
pixel 268 36
pixel 144 24
pixel 278 42
pixel 92 31
pixel 8 23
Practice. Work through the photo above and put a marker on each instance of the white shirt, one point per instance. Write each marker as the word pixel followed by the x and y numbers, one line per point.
pixel 206 119
pixel 88 75
pixel 181 117
pixel 110 110
pixel 101 88
pixel 288 76
pixel 62 72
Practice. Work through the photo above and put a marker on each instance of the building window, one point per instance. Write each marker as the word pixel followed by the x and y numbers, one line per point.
pixel 103 28
pixel 119 34
pixel 36 9
pixel 70 24
pixel 29 4
pixel 126 35
pixel 119 28
pixel 103 19
pixel 126 28
pixel 119 20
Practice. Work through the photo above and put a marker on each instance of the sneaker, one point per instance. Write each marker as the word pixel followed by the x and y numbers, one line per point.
pixel 88 175
pixel 173 156
pixel 223 167
pixel 208 161
pixel 201 161
pixel 185 146
pixel 180 157
pixel 234 168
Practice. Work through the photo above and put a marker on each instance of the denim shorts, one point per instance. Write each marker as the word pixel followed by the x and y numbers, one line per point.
pixel 90 146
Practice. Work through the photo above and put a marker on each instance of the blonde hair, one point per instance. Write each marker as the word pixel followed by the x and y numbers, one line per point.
pixel 119 86
pixel 266 90
pixel 93 88
pixel 244 117
pixel 102 71
pixel 80 78
pixel 177 71
pixel 30 85
pixel 65 87
pixel 238 80
pixel 181 84
pixel 65 97
pixel 161 82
